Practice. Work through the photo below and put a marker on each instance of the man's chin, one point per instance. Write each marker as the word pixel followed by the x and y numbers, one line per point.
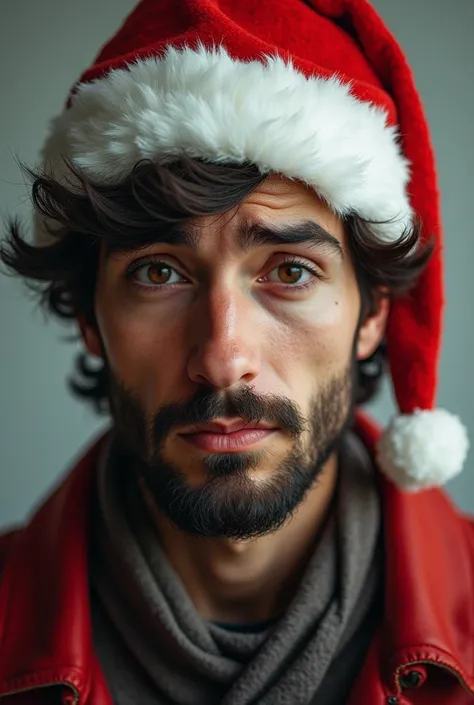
pixel 231 510
pixel 229 495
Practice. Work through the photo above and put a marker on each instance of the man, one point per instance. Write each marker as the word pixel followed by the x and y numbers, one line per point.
pixel 238 207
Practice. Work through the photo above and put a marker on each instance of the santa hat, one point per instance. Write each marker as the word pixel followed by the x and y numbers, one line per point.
pixel 317 90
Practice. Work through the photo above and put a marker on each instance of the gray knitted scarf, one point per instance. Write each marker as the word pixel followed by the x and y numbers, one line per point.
pixel 155 648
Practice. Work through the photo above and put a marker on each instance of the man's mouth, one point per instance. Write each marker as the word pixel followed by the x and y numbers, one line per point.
pixel 227 435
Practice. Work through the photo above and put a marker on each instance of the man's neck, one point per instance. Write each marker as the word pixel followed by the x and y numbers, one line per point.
pixel 253 580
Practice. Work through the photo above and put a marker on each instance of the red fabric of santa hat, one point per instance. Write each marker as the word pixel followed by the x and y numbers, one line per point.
pixel 318 90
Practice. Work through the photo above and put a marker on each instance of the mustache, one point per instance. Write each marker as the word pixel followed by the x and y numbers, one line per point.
pixel 207 404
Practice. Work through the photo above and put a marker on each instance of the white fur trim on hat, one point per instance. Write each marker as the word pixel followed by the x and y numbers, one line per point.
pixel 424 449
pixel 207 105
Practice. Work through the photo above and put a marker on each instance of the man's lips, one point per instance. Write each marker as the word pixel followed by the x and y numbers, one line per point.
pixel 226 436
pixel 225 426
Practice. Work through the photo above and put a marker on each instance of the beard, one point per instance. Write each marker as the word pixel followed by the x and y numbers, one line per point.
pixel 229 503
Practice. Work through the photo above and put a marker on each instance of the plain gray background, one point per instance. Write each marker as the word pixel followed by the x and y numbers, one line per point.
pixel 44 46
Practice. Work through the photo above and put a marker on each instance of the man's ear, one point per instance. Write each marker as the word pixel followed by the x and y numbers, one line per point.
pixel 372 329
pixel 90 337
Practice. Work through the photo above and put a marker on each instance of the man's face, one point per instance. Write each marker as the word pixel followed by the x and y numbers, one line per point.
pixel 216 332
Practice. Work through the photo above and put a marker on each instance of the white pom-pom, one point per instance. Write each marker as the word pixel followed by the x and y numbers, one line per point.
pixel 422 450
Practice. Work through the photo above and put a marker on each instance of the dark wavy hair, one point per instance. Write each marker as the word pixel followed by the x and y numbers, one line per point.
pixel 127 215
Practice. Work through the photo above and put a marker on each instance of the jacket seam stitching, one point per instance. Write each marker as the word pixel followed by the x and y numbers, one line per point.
pixel 35 677
pixel 441 652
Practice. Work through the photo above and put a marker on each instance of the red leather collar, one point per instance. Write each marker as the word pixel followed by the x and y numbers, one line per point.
pixel 45 631
pixel 429 573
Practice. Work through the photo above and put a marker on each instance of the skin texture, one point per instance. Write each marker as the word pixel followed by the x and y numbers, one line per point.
pixel 224 319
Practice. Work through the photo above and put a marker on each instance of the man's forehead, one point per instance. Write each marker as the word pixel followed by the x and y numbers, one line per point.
pixel 279 211
pixel 280 192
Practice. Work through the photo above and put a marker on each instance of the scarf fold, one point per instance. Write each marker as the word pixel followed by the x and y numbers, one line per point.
pixel 184 660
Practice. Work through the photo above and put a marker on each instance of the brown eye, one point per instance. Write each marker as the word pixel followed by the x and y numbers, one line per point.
pixel 155 274
pixel 294 274
pixel 290 273
pixel 158 273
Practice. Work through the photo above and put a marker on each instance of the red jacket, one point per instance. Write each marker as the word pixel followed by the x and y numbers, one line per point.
pixel 423 652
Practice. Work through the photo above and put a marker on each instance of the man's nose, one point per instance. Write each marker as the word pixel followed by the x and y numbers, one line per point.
pixel 225 348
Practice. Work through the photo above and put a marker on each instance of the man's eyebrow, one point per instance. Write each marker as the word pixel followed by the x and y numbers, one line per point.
pixel 307 232
pixel 258 234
